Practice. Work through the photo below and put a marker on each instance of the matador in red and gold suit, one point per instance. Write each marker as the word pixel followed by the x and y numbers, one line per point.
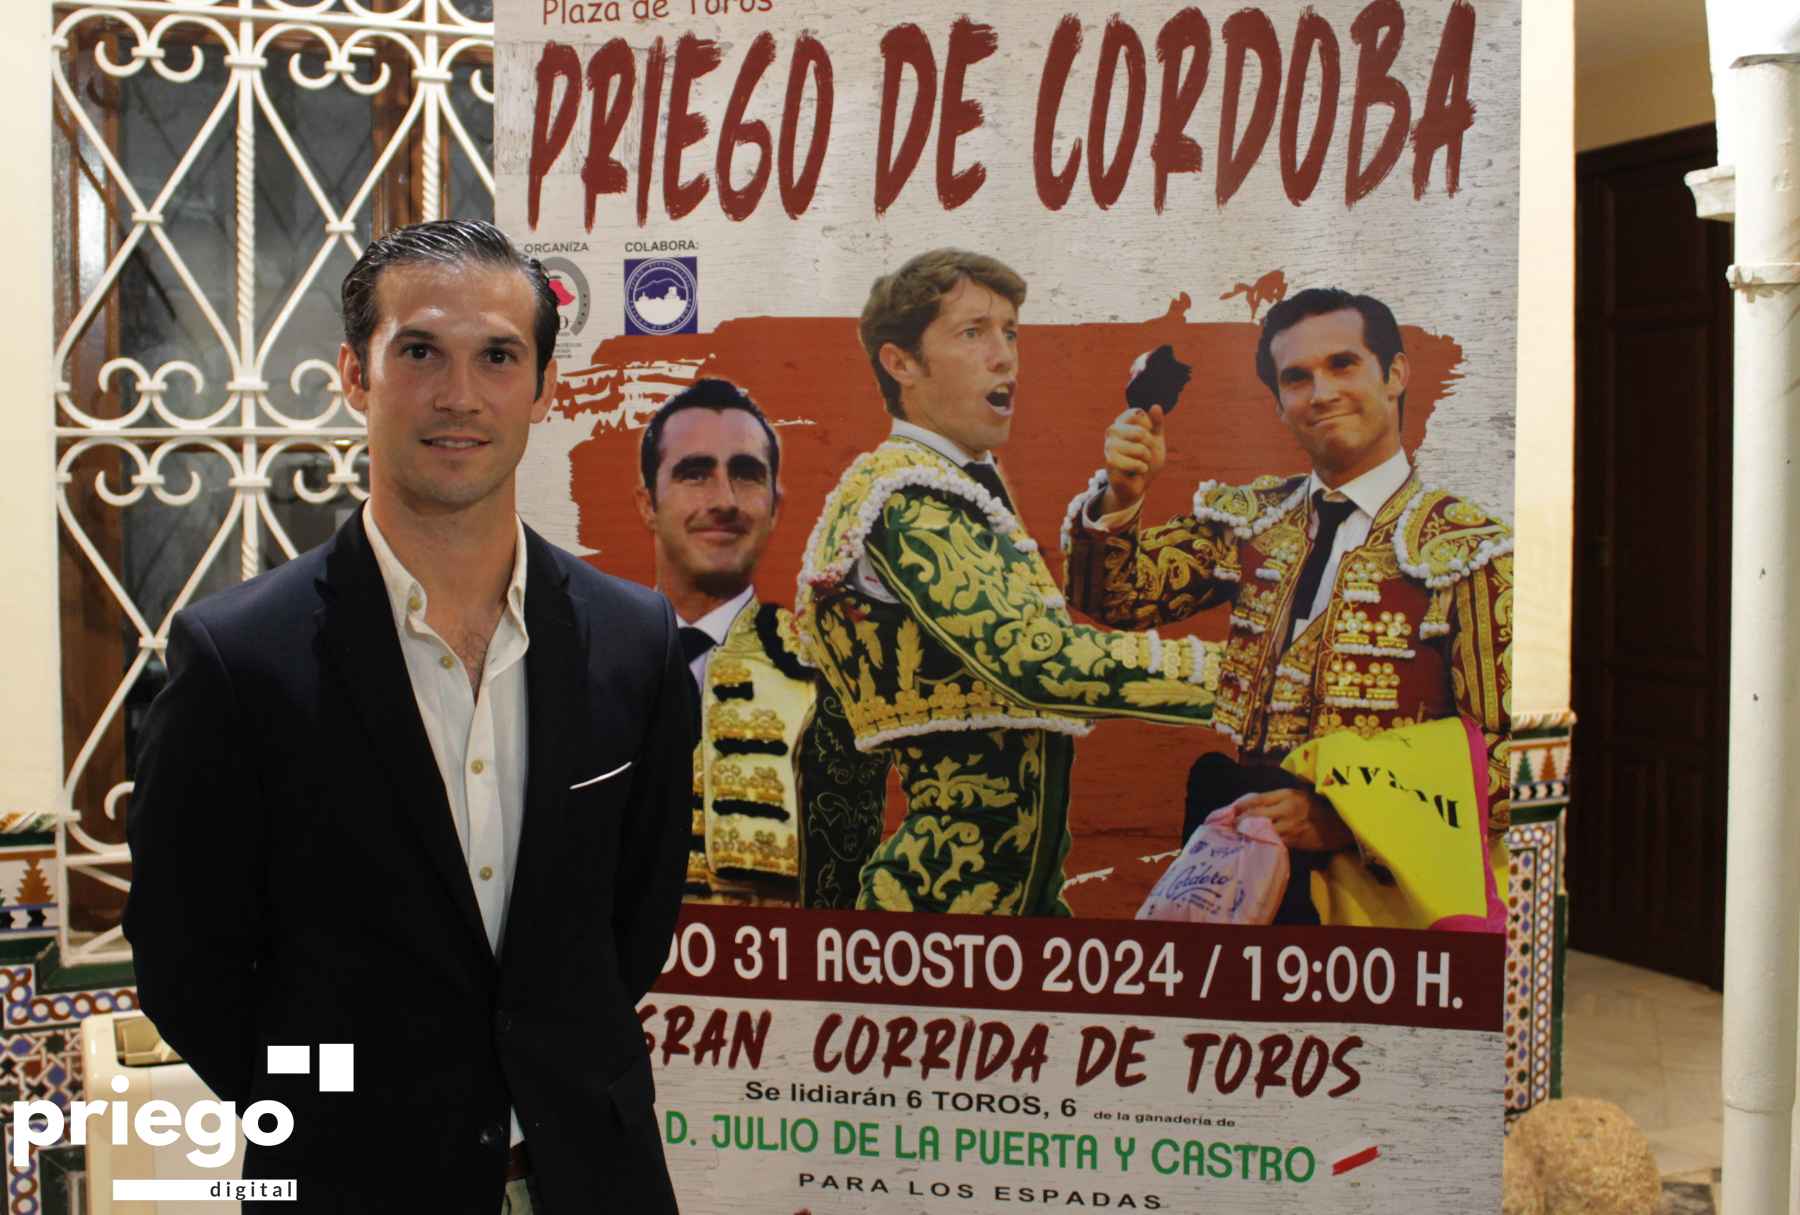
pixel 1361 598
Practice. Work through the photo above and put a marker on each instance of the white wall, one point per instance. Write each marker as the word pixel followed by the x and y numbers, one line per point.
pixel 31 705
pixel 1545 481
pixel 1564 112
pixel 1662 92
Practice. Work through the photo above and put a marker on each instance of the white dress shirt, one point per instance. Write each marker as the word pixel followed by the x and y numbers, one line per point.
pixel 867 581
pixel 480 741
pixel 715 624
pixel 1368 492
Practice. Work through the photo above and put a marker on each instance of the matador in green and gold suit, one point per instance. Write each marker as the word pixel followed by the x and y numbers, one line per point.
pixel 785 809
pixel 932 615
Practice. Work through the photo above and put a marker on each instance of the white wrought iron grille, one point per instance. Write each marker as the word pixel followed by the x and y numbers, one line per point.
pixel 220 164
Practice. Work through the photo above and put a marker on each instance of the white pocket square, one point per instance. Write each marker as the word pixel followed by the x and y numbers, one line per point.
pixel 594 780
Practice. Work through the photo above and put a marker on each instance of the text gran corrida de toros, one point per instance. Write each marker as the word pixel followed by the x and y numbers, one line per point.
pixel 1117 972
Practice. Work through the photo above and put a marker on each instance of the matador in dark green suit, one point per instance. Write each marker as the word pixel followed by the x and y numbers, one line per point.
pixel 932 615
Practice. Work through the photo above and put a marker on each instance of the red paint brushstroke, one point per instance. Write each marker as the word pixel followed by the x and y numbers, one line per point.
pixel 811 375
pixel 1355 1160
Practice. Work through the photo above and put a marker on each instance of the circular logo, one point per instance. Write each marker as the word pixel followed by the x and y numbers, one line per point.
pixel 572 294
pixel 661 296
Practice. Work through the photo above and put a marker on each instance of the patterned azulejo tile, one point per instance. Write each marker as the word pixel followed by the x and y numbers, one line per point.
pixel 1540 752
pixel 40 1060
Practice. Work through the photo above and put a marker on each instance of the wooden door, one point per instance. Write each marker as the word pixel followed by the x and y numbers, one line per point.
pixel 1646 869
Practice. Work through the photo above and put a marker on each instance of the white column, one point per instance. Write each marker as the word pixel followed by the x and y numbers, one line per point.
pixel 31 709
pixel 1762 915
pixel 1544 483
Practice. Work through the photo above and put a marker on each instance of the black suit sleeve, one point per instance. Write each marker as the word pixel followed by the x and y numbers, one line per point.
pixel 654 836
pixel 195 912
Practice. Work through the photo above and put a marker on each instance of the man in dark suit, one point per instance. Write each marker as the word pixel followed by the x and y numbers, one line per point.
pixel 424 791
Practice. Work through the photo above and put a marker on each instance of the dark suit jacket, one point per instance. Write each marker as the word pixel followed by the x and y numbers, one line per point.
pixel 298 880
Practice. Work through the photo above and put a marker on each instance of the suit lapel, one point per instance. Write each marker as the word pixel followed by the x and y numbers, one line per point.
pixel 555 676
pixel 356 635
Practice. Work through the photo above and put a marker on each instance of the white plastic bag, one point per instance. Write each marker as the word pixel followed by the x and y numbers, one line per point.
pixel 1232 871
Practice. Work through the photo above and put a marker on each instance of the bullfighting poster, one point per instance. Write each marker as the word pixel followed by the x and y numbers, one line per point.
pixel 1086 472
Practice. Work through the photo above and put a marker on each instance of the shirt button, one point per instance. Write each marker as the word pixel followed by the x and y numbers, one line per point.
pixel 478 767
pixel 446 662
pixel 487 873
pixel 412 604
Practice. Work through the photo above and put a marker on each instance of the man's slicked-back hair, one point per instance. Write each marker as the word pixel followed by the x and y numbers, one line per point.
pixel 902 304
pixel 703 394
pixel 1381 333
pixel 444 242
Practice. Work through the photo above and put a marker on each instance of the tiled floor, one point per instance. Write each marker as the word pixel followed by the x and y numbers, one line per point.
pixel 1650 1044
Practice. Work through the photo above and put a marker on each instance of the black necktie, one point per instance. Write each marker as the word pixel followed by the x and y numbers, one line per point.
pixel 988 477
pixel 1332 513
pixel 695 642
